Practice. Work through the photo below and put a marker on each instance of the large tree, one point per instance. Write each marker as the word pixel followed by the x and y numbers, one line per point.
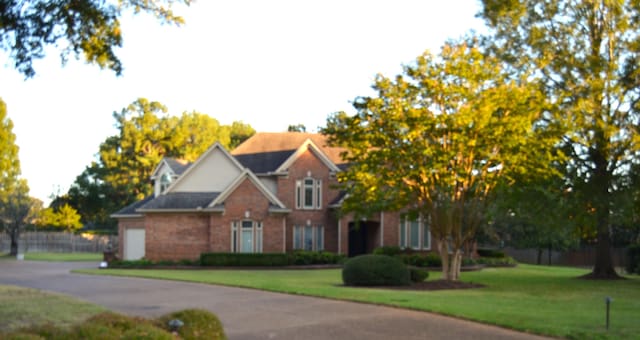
pixel 146 134
pixel 87 27
pixel 15 203
pixel 587 53
pixel 437 140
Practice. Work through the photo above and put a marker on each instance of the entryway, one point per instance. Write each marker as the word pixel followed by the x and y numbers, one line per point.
pixel 362 237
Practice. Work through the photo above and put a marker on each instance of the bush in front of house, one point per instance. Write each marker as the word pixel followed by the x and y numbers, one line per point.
pixel 375 270
pixel 633 259
pixel 304 257
pixel 418 274
pixel 506 261
pixel 491 253
pixel 197 324
pixel 388 250
pixel 244 259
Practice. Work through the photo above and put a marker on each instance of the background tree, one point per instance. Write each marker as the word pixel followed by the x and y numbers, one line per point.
pixel 297 128
pixel 15 203
pixel 121 174
pixel 64 217
pixel 88 27
pixel 586 53
pixel 437 140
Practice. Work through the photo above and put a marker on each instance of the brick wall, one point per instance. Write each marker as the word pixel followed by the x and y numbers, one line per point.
pixel 176 236
pixel 309 164
pixel 247 198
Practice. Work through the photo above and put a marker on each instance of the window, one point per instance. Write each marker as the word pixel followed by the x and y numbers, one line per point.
pixel 309 194
pixel 246 237
pixel 308 237
pixel 165 181
pixel 415 234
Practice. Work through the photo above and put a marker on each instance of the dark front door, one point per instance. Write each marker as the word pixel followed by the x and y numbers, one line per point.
pixel 357 239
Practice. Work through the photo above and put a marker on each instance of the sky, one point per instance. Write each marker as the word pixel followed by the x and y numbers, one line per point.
pixel 270 64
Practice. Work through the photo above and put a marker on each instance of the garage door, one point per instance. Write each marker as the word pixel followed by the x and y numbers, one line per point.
pixel 133 244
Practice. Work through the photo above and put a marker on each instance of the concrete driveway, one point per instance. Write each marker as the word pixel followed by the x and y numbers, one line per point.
pixel 246 313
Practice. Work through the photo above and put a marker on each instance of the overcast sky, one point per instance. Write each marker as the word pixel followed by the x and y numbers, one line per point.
pixel 267 63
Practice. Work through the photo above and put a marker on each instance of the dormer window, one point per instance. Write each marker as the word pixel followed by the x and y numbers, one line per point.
pixel 309 193
pixel 165 181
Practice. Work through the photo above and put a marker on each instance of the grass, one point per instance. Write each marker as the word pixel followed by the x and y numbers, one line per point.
pixel 25 307
pixel 536 299
pixel 63 257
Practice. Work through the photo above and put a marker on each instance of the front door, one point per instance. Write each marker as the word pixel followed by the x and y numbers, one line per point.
pixel 357 239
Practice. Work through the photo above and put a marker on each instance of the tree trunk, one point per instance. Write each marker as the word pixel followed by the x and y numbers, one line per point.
pixel 456 262
pixel 444 255
pixel 539 259
pixel 549 254
pixel 14 243
pixel 603 267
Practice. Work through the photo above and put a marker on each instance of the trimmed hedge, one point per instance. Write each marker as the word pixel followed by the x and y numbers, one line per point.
pixel 633 259
pixel 375 270
pixel 304 257
pixel 244 259
pixel 492 253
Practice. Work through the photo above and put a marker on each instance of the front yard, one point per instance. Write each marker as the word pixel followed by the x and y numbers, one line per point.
pixel 538 299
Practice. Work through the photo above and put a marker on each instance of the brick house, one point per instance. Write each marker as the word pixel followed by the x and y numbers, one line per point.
pixel 273 193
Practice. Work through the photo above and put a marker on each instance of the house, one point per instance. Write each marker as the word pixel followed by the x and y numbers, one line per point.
pixel 274 193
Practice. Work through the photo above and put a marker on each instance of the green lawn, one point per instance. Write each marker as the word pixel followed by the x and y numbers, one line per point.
pixel 24 307
pixel 63 257
pixel 537 299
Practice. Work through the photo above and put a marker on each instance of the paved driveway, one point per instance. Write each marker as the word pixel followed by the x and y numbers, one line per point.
pixel 246 313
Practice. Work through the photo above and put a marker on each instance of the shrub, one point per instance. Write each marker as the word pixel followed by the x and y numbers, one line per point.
pixel 305 257
pixel 130 263
pixel 418 275
pixel 388 250
pixel 147 331
pixel 496 262
pixel 633 259
pixel 375 270
pixel 433 260
pixel 198 324
pixel 243 259
pixel 492 253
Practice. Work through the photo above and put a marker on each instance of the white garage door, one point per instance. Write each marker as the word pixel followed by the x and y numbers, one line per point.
pixel 133 244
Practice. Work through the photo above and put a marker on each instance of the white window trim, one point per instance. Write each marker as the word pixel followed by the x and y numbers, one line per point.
pixel 314 239
pixel 405 225
pixel 316 194
pixel 257 236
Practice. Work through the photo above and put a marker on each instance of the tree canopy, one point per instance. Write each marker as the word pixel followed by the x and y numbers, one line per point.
pixel 586 54
pixel 121 174
pixel 438 139
pixel 88 27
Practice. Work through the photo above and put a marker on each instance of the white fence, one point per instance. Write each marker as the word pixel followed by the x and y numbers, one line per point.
pixel 57 242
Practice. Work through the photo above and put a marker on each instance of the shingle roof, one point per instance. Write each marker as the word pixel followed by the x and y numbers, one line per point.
pixel 177 165
pixel 181 200
pixel 268 142
pixel 131 208
pixel 260 163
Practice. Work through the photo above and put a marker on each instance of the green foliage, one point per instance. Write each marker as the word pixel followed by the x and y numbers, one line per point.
pixel 632 264
pixel 438 139
pixel 493 253
pixel 198 324
pixel 375 270
pixel 65 217
pixel 303 257
pixel 146 134
pixel 418 274
pixel 506 261
pixel 90 27
pixel 585 55
pixel 244 259
pixel 388 250
pixel 421 260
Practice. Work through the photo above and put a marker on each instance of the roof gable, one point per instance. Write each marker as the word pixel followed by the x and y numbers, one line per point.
pixel 247 174
pixel 308 145
pixel 212 172
pixel 175 166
